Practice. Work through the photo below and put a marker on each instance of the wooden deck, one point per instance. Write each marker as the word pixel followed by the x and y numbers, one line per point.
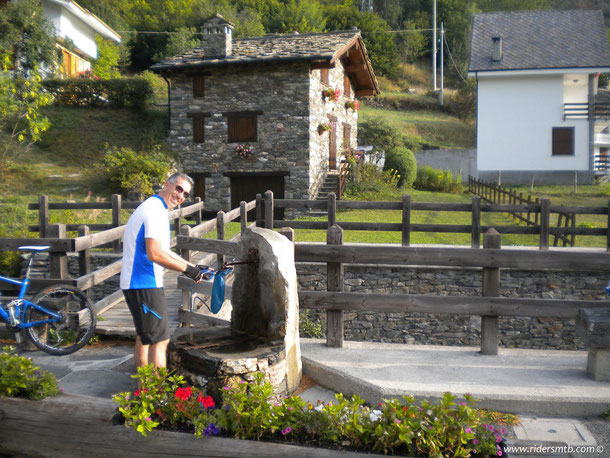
pixel 117 320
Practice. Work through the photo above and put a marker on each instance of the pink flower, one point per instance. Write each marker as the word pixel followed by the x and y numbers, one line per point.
pixel 468 430
pixel 397 421
pixel 286 431
pixel 475 441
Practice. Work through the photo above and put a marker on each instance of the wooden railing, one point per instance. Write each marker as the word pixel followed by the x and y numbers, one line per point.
pixel 490 259
pixel 344 173
pixel 565 230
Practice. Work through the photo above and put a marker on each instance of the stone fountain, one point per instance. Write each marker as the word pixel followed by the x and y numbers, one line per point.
pixel 263 335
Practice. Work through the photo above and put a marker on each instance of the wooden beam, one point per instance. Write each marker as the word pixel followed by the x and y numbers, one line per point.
pixel 324 64
pixel 98 276
pixel 453 305
pixel 207 245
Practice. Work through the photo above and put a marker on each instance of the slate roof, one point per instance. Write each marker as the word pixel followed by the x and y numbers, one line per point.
pixel 535 40
pixel 268 48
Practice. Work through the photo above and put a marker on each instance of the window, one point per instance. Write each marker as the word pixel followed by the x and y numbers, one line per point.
pixel 347 87
pixel 563 141
pixel 242 128
pixel 198 87
pixel 324 75
pixel 198 136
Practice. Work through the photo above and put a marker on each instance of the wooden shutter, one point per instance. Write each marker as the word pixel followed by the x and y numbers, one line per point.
pixel 198 124
pixel 198 87
pixel 347 87
pixel 324 75
pixel 563 141
pixel 332 147
pixel 242 129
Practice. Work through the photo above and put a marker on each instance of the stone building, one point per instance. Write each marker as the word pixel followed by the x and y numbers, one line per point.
pixel 265 95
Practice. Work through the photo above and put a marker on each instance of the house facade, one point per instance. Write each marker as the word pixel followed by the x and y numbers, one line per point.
pixel 537 76
pixel 250 115
pixel 76 28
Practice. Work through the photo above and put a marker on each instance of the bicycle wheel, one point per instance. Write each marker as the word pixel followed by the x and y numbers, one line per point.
pixel 72 331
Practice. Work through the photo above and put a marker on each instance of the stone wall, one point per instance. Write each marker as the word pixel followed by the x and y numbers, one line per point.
pixel 449 329
pixel 459 161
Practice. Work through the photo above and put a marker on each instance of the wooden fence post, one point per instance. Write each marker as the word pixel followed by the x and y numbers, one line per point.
pixel 198 216
pixel 537 213
pixel 608 229
pixel 332 209
pixel 43 216
pixel 58 262
pixel 260 222
pixel 406 220
pixel 491 288
pixel 84 257
pixel 475 236
pixel 334 282
pixel 545 214
pixel 243 216
pixel 220 234
pixel 287 232
pixel 116 219
pixel 269 209
pixel 186 255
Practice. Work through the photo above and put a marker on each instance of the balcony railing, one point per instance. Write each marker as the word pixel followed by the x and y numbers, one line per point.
pixel 601 110
pixel 602 139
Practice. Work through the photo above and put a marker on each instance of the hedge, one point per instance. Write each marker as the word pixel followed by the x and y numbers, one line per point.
pixel 118 92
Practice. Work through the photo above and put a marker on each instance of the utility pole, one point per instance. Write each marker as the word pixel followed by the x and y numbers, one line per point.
pixel 442 63
pixel 434 44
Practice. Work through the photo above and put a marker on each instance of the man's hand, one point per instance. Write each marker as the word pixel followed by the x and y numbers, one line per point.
pixel 193 273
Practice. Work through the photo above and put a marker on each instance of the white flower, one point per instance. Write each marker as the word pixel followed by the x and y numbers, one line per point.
pixel 375 415
pixel 319 407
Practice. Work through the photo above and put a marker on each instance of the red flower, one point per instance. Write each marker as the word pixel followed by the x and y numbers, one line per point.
pixel 137 392
pixel 206 401
pixel 183 393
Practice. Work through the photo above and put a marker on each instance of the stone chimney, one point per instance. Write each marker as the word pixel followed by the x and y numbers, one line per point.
pixel 496 53
pixel 217 41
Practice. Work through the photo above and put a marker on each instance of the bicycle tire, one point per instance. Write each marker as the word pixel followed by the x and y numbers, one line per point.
pixel 71 333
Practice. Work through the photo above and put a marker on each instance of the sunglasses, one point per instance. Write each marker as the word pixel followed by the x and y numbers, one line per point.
pixel 181 191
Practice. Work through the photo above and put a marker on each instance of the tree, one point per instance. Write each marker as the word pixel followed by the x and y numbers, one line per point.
pixel 26 34
pixel 21 123
pixel 303 16
pixel 107 62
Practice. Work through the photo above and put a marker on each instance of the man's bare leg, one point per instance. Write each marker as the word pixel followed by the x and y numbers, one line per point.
pixel 157 353
pixel 141 353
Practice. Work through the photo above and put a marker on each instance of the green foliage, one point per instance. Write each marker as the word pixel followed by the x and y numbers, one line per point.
pixel 367 182
pixel 403 161
pixel 183 39
pixel 20 378
pixel 251 411
pixel 137 172
pixel 107 63
pixel 117 92
pixel 27 35
pixel 380 134
pixel 303 16
pixel 430 179
pixel 21 123
pixel 309 327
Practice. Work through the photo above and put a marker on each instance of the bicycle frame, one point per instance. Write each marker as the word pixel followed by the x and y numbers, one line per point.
pixel 22 304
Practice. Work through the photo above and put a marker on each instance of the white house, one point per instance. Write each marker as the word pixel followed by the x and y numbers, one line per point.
pixel 537 75
pixel 75 23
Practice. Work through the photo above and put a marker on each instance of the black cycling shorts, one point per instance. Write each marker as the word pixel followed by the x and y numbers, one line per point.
pixel 149 311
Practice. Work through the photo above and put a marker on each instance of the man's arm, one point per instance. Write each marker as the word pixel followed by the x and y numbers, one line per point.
pixel 167 259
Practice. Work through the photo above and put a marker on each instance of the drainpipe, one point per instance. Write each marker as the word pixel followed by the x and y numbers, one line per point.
pixel 169 105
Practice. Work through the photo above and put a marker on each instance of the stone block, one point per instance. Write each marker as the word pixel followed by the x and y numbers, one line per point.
pixel 593 327
pixel 598 364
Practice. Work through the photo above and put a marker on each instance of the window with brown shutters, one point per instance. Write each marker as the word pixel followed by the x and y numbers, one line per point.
pixel 563 141
pixel 324 75
pixel 198 86
pixel 198 123
pixel 347 87
pixel 242 128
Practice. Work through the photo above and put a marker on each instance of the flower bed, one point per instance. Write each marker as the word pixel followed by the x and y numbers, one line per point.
pixel 251 411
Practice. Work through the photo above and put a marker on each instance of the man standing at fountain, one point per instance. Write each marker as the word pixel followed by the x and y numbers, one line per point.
pixel 146 252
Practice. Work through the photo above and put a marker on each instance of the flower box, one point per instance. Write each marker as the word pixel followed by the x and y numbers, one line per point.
pixel 331 94
pixel 77 426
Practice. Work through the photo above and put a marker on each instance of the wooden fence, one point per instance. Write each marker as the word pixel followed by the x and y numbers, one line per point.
pixel 542 210
pixel 494 193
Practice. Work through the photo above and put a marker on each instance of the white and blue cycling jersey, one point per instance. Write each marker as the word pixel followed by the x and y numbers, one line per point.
pixel 149 221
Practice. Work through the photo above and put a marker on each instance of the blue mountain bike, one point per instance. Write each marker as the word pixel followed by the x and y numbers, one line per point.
pixel 58 320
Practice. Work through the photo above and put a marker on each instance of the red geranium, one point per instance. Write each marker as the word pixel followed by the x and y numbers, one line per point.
pixel 206 401
pixel 184 393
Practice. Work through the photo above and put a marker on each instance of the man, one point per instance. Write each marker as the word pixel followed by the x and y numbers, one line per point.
pixel 146 252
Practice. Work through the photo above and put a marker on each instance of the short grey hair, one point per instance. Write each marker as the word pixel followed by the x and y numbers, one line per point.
pixel 172 179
